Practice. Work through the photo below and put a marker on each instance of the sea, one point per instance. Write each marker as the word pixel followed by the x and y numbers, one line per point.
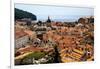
pixel 59 20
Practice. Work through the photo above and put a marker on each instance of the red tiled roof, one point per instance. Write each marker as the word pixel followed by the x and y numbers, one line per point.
pixel 28 49
pixel 19 34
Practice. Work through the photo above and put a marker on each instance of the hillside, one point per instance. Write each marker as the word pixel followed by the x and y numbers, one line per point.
pixel 19 14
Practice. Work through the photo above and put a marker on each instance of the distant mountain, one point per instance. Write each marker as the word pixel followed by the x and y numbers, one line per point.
pixel 20 14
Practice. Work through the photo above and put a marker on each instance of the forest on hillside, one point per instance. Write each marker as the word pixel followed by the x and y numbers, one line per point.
pixel 20 14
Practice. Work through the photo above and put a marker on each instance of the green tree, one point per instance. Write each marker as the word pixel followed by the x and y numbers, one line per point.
pixel 29 58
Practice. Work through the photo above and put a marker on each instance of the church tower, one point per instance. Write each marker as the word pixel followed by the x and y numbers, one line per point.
pixel 49 20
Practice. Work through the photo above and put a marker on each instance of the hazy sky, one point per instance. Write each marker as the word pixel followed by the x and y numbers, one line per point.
pixel 55 12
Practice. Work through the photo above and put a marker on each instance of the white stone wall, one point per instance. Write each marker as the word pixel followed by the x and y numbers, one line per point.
pixel 21 41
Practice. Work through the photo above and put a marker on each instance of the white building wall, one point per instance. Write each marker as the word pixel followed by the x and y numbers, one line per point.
pixel 21 41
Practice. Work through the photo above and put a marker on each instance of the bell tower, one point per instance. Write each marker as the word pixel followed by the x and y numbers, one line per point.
pixel 49 20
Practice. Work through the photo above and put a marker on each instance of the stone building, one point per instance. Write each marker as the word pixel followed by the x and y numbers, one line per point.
pixel 21 38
